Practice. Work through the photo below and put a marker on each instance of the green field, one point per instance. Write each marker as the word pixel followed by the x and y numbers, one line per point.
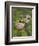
pixel 19 14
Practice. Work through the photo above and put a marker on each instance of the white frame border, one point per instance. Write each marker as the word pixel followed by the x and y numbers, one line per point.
pixel 27 38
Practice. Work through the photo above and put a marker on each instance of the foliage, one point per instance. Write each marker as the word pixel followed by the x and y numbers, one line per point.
pixel 18 15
